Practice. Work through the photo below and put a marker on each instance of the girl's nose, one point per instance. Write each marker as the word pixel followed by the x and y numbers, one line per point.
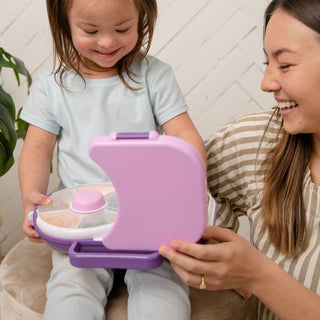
pixel 270 81
pixel 106 42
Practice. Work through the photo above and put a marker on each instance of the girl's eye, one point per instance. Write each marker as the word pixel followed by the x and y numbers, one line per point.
pixel 90 32
pixel 122 30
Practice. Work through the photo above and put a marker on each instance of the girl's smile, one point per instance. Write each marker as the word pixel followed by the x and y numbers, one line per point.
pixel 106 55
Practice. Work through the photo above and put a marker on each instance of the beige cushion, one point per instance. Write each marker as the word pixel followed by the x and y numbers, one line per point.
pixel 0 225
pixel 25 271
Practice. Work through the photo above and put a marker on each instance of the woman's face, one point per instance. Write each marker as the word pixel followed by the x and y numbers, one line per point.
pixel 292 53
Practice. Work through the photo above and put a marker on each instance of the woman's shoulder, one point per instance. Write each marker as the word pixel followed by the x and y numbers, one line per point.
pixel 246 134
pixel 254 124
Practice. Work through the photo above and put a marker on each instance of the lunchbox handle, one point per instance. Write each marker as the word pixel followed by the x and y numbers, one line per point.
pixel 93 254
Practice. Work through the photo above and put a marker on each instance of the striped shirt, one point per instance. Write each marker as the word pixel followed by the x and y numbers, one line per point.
pixel 235 179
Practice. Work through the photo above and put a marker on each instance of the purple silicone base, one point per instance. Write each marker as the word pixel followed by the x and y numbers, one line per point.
pixel 93 254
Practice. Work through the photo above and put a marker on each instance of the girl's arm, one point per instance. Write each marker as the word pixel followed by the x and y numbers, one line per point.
pixel 182 127
pixel 234 262
pixel 34 171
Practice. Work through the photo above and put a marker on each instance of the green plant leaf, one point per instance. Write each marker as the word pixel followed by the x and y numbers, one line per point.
pixel 7 101
pixel 21 134
pixel 7 60
pixel 21 69
pixel 6 131
pixel 7 127
pixel 22 127
pixel 5 166
pixel 8 121
pixel 6 158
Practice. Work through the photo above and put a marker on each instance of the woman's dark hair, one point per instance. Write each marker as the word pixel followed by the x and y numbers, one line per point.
pixel 306 11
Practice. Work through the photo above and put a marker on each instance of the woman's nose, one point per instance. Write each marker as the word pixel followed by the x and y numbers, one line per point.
pixel 270 82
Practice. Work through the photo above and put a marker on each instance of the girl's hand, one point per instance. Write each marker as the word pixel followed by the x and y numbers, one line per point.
pixel 231 263
pixel 30 201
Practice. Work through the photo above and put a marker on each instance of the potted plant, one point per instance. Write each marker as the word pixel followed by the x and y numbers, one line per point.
pixel 11 127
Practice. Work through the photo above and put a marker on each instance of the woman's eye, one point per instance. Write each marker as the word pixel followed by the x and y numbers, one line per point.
pixel 285 66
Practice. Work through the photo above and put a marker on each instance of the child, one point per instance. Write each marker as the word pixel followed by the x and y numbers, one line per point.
pixel 103 82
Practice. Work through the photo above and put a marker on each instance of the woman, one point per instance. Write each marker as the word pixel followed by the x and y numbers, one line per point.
pixel 267 166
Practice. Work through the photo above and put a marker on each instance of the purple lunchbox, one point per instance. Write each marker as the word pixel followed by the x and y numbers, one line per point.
pixel 158 194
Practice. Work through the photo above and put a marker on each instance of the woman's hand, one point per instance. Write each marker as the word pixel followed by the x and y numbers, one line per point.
pixel 230 263
pixel 233 263
pixel 29 203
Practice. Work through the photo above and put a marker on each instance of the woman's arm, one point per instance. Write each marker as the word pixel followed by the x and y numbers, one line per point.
pixel 182 127
pixel 34 171
pixel 234 262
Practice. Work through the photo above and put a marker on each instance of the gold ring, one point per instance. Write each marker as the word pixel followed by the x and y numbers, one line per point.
pixel 202 284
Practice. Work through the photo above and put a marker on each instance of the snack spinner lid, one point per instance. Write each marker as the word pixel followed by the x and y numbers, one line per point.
pixel 82 212
pixel 158 195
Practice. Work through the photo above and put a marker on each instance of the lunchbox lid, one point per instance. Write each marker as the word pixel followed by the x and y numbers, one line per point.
pixel 160 183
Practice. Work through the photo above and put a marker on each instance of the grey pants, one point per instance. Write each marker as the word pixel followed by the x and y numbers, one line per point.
pixel 81 293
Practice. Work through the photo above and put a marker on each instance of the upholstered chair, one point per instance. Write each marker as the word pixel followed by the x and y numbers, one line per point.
pixel 26 268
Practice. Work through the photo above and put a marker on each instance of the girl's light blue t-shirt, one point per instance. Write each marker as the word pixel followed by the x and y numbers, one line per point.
pixel 99 107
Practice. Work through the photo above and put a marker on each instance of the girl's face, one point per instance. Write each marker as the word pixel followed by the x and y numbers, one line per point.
pixel 292 53
pixel 103 32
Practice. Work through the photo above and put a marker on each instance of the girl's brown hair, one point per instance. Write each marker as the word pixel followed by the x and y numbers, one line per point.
pixel 66 55
pixel 282 204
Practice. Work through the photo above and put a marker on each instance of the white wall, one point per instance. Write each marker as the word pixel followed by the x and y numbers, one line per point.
pixel 215 48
